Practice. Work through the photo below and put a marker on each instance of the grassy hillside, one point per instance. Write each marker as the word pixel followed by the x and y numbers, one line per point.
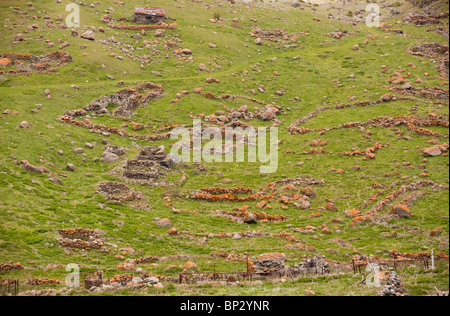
pixel 313 69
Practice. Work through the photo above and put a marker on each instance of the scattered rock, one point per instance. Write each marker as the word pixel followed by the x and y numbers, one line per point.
pixel 165 222
pixel 89 35
pixel 24 124
pixel 400 211
pixel 250 219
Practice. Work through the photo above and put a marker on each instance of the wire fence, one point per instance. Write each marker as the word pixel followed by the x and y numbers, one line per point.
pixel 394 264
pixel 9 287
pixel 12 287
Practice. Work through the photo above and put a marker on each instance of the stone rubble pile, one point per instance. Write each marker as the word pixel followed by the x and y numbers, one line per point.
pixel 444 31
pixel 434 50
pixel 28 64
pixel 127 99
pixel 436 150
pixel 268 113
pixel 81 233
pixel 128 281
pixel 312 265
pixel 243 216
pixel 338 34
pixel 80 238
pixel 416 186
pixel 268 263
pixel 38 282
pixel 122 26
pixel 428 93
pixel 45 292
pixel 394 286
pixel 301 181
pixel 119 192
pixel 149 165
pixel 277 35
pixel 10 266
pixel 413 123
pixel 130 264
pixel 224 194
pixel 94 280
pixel 32 168
pixel 426 19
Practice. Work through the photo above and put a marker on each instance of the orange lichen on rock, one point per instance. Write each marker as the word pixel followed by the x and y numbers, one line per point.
pixel 172 232
pixel 189 265
pixel 224 194
pixel 436 232
pixel 352 213
pixel 10 266
pixel 5 62
pixel 400 211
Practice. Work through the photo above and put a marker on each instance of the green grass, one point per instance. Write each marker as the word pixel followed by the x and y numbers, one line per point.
pixel 32 207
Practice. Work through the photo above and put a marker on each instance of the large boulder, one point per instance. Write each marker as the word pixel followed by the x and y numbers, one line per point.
pixel 432 151
pixel 250 219
pixel 18 37
pixel 109 157
pixel 268 115
pixel 400 211
pixel 269 262
pixel 89 35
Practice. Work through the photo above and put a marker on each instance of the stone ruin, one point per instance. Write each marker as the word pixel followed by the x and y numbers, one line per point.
pixel 127 99
pixel 94 280
pixel 394 286
pixel 428 92
pixel 149 15
pixel 243 216
pixel 444 31
pixel 45 292
pixel 426 19
pixel 429 50
pixel 27 64
pixel 433 50
pixel 272 34
pixel 268 113
pixel 80 238
pixel 32 168
pixel 273 263
pixel 44 281
pixel 149 165
pixel 312 265
pixel 10 266
pixel 338 34
pixel 422 3
pixel 118 192
pixel 269 263
pixel 108 19
pixel 130 264
pixel 78 233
